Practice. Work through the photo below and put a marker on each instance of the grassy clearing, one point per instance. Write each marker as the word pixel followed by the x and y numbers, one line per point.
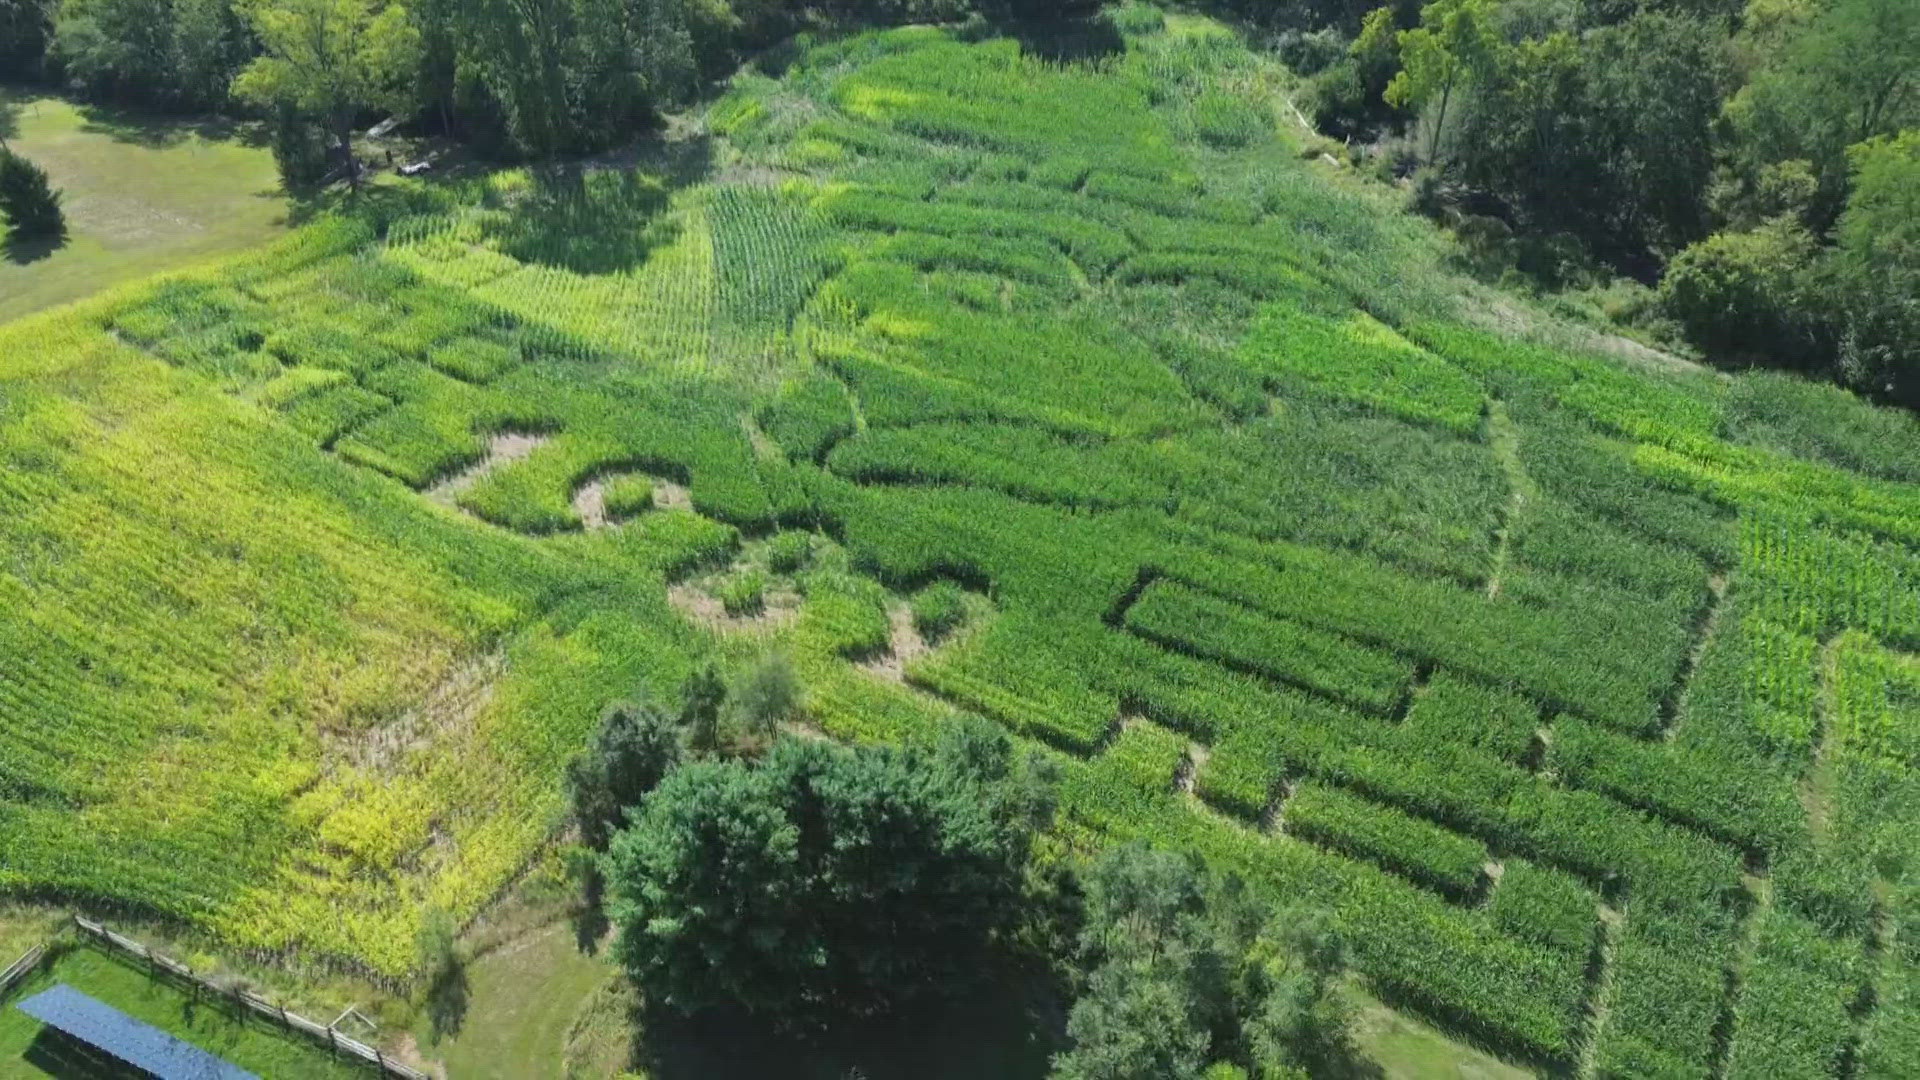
pixel 524 997
pixel 25 1051
pixel 141 197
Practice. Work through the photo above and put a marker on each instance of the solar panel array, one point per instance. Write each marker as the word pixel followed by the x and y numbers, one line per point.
pixel 133 1041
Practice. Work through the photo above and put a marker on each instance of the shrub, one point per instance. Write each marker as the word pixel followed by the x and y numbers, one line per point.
pixel 627 495
pixel 1739 293
pixel 744 593
pixel 789 551
pixel 766 695
pixel 938 609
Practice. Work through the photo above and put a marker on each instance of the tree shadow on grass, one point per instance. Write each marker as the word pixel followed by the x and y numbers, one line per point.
pixel 157 131
pixel 447 1001
pixel 1009 1028
pixel 31 249
pixel 599 221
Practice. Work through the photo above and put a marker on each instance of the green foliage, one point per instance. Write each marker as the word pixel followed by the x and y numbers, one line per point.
pixel 1424 852
pixel 1183 969
pixel 764 696
pixel 1737 293
pixel 328 59
pixel 28 202
pixel 1454 45
pixel 939 609
pixel 744 593
pixel 789 551
pixel 633 749
pixel 822 883
pixel 1875 268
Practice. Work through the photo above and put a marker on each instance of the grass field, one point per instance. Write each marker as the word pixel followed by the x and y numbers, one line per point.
pixel 1583 693
pixel 142 196
pixel 27 1049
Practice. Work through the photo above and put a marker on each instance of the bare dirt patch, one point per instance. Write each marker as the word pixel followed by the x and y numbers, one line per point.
pixel 590 502
pixel 503 448
pixel 1186 775
pixel 904 643
pixel 782 607
pixel 668 495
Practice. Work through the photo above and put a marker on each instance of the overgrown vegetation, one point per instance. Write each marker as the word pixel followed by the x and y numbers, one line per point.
pixel 1574 699
pixel 1739 154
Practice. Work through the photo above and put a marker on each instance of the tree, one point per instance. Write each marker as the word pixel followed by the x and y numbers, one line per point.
pixel 1454 44
pixel 575 75
pixel 177 54
pixel 765 696
pixel 1873 275
pixel 28 200
pixel 26 29
pixel 1849 74
pixel 633 749
pixel 443 961
pixel 1185 968
pixel 820 883
pixel 702 697
pixel 1301 1021
pixel 1624 114
pixel 1133 1023
pixel 331 59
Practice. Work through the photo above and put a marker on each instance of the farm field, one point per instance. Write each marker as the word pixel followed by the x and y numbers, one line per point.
pixel 141 197
pixel 1586 696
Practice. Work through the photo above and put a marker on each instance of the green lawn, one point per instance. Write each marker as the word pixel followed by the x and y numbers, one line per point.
pixel 522 1000
pixel 142 196
pixel 28 1049
pixel 1402 1048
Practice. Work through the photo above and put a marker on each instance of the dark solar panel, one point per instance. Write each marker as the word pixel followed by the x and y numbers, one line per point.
pixel 138 1044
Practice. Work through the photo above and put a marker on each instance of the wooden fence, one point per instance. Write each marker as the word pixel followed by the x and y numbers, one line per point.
pixel 19 968
pixel 324 1034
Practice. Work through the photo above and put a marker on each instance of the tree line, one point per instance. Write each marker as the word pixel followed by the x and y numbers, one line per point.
pixel 1758 161
pixel 513 78
pixel 787 888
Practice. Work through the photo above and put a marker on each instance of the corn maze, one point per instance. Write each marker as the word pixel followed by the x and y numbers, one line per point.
pixel 1586 699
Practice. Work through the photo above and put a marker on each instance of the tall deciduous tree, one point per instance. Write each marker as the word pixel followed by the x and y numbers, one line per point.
pixel 332 59
pixel 1454 44
pixel 1875 268
pixel 821 883
pixel 1848 75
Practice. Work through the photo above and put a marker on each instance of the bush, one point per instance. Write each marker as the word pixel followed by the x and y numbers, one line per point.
pixel 1739 294
pixel 627 495
pixel 744 593
pixel 28 201
pixel 938 609
pixel 789 551
pixel 300 150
